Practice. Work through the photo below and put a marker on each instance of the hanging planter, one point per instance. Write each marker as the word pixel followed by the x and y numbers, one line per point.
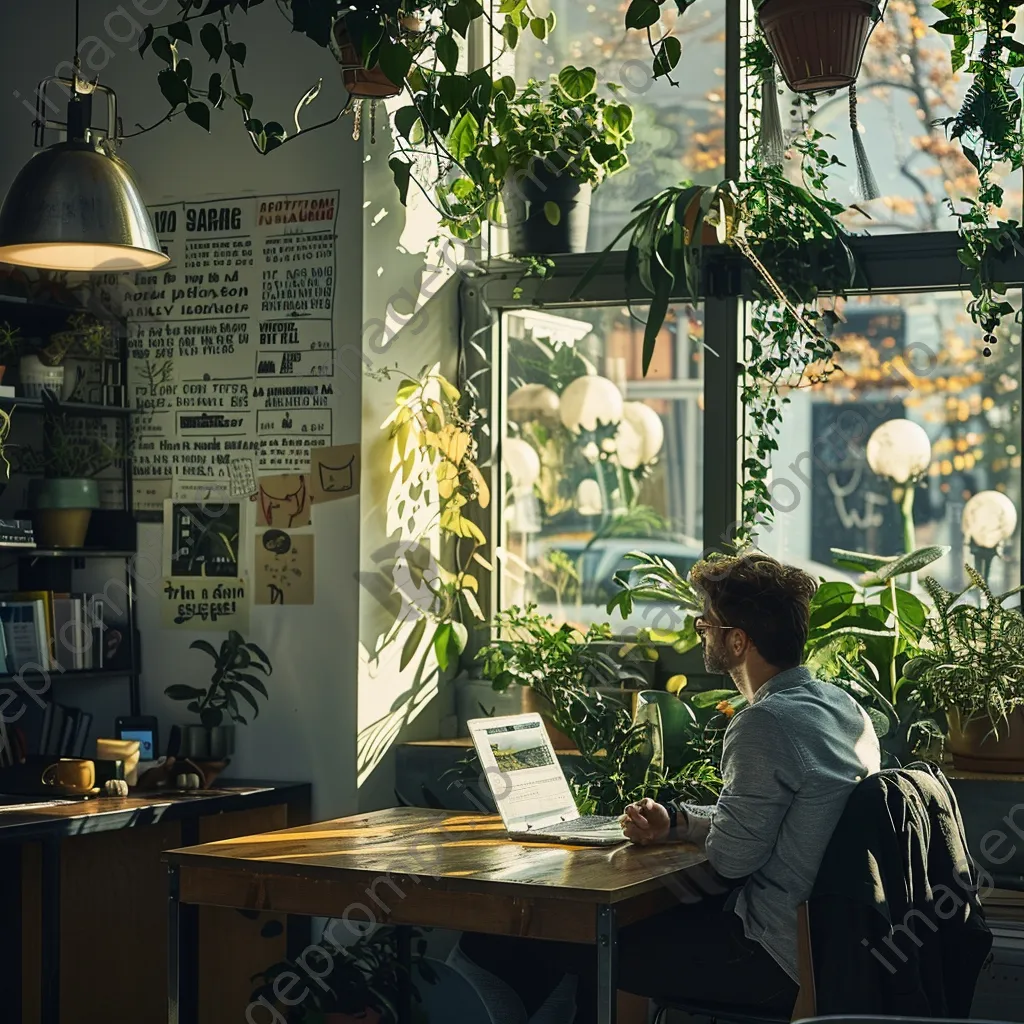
pixel 818 44
pixel 365 83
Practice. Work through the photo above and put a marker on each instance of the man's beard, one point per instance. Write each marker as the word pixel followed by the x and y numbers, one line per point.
pixel 715 661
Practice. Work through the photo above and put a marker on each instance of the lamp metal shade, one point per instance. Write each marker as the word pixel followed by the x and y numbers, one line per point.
pixel 72 207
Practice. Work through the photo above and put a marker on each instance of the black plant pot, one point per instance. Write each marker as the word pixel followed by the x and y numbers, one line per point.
pixel 536 229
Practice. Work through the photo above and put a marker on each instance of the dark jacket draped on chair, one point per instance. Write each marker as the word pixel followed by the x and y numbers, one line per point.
pixel 895 921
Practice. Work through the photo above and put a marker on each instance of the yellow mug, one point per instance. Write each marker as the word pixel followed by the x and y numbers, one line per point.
pixel 71 773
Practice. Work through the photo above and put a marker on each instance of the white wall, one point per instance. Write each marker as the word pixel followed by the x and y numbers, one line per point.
pixel 308 731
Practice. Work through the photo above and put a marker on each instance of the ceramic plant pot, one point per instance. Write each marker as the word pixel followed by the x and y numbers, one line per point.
pixel 361 82
pixel 547 212
pixel 61 510
pixel 976 749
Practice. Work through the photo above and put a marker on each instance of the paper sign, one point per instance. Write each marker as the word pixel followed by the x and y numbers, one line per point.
pixel 202 540
pixel 283 501
pixel 199 491
pixel 334 472
pixel 205 604
pixel 243 478
pixel 150 495
pixel 284 568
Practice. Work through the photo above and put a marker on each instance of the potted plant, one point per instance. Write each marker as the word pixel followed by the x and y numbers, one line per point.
pixel 43 369
pixel 818 45
pixel 63 500
pixel 972 668
pixel 542 151
pixel 10 339
pixel 232 681
pixel 362 985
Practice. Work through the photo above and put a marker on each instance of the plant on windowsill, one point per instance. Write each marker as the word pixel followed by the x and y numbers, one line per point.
pixel 971 667
pixel 539 153
pixel 63 500
pixel 415 49
pixel 571 673
pixel 362 985
pixel 232 680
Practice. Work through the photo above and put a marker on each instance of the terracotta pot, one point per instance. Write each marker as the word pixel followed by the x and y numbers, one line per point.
pixel 361 82
pixel 975 749
pixel 534 703
pixel 818 44
pixel 708 233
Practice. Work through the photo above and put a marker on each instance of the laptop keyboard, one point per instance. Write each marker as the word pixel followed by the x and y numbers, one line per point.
pixel 591 823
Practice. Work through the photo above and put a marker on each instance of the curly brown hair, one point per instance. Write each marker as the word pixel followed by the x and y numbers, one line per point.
pixel 769 601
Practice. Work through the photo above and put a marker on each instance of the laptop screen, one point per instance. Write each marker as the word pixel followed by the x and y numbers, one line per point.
pixel 520 766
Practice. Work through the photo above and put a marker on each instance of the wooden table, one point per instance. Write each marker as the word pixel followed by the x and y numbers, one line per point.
pixel 411 866
pixel 86 875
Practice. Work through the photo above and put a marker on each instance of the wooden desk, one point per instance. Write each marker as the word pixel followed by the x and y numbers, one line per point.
pixel 83 900
pixel 410 866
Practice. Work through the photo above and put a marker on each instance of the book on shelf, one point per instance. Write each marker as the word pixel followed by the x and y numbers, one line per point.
pixel 16 533
pixel 42 630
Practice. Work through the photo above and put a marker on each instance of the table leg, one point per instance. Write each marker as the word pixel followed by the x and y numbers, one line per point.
pixel 403 935
pixel 607 964
pixel 49 1000
pixel 173 946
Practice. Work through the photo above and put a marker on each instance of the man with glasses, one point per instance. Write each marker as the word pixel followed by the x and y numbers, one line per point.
pixel 790 759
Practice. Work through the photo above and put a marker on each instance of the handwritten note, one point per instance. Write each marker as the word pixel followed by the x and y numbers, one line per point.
pixel 334 472
pixel 205 604
pixel 283 501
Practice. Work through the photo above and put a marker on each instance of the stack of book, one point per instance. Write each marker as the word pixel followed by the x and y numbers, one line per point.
pixel 43 631
pixel 65 730
pixel 1004 906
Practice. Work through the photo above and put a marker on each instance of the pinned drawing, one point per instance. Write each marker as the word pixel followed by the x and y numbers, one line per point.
pixel 284 568
pixel 201 539
pixel 334 472
pixel 283 501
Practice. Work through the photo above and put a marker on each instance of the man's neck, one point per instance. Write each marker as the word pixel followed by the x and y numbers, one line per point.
pixel 750 678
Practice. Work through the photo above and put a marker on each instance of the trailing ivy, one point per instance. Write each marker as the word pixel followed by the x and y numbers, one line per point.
pixel 989 131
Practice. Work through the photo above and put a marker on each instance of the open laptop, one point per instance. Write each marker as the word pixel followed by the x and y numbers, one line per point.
pixel 529 787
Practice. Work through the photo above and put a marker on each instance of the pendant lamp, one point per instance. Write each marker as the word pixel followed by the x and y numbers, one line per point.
pixel 75 205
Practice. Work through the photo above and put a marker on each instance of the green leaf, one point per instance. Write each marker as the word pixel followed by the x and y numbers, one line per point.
pixel 577 83
pixel 910 610
pixel 412 643
pixel 448 52
pixel 617 118
pixel 510 32
pixel 442 635
pixel 457 17
pixel 402 173
pixel 668 56
pixel 180 30
pixel 406 118
pixel 232 687
pixel 259 652
pixel 552 213
pixel 906 564
pixel 163 49
pixel 463 138
pixel 210 37
pixel 215 90
pixel 709 698
pixel 245 101
pixel 205 647
pixel 255 682
pixel 394 59
pixel 539 27
pixel 175 91
pixel 507 84
pixel 179 691
pixel 147 38
pixel 236 51
pixel 459 637
pixel 183 69
pixel 198 113
pixel 642 14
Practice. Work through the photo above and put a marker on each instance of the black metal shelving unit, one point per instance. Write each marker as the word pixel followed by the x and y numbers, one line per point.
pixel 52 569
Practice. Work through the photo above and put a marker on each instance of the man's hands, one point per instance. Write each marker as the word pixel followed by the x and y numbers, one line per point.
pixel 646 822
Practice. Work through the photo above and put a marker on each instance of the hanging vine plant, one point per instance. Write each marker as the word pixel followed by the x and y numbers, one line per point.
pixel 989 130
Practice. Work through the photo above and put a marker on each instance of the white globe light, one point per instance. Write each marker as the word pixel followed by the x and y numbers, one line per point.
pixel 532 401
pixel 989 518
pixel 589 400
pixel 521 462
pixel 641 435
pixel 899 450
pixel 588 498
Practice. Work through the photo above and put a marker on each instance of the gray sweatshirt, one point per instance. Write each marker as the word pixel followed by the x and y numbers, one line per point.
pixel 789 762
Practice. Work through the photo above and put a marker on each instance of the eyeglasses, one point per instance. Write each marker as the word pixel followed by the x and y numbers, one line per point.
pixel 701 625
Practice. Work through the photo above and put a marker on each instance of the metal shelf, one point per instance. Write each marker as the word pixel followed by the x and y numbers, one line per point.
pixel 35 405
pixel 20 552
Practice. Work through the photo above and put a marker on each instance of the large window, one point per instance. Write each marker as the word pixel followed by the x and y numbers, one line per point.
pixel 600 460
pixel 910 358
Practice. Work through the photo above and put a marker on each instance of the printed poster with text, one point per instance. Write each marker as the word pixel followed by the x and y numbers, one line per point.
pixel 232 345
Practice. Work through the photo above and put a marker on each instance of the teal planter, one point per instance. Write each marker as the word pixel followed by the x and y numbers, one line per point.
pixel 62 509
pixel 64 493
